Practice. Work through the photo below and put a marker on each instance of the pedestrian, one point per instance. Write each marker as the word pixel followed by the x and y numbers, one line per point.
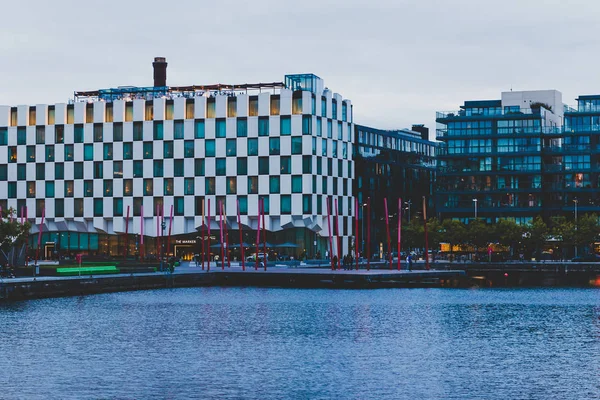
pixel 327 254
pixel 409 262
pixel 335 261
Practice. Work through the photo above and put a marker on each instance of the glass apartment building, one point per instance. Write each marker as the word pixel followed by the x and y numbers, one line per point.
pixel 506 158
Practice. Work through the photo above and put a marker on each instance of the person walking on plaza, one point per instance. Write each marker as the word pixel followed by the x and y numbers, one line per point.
pixel 409 262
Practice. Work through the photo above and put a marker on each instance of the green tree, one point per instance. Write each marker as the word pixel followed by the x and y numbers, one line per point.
pixel 434 233
pixel 13 235
pixel 508 233
pixel 455 233
pixel 536 236
pixel 587 230
pixel 479 234
pixel 564 230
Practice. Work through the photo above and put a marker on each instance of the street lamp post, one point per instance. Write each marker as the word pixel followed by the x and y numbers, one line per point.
pixel 362 234
pixel 475 202
pixel 408 203
pixel 576 224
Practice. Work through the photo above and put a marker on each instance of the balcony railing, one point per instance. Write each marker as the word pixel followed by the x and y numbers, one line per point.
pixel 468 113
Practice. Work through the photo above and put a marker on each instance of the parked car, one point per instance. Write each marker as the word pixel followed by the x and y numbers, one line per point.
pixel 587 258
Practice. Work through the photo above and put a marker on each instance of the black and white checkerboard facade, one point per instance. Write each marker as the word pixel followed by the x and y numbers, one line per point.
pixel 88 162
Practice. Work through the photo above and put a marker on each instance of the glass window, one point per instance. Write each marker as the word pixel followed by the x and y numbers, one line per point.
pixel 21 135
pixel 274 146
pixel 127 151
pixel 188 149
pixel 231 185
pixel 253 147
pixel 118 132
pixel 88 152
pixel 209 148
pixel 324 147
pixel 98 207
pixel 275 105
pixel 243 201
pixel 178 206
pixel 274 184
pixel 59 208
pixel 329 129
pixel 158 168
pixel 40 134
pixel 253 185
pixel 98 169
pixel 220 167
pixel 178 129
pixel 220 128
pixel 340 132
pixel 231 107
pixel 127 187
pixel 231 147
pixel 59 134
pixel 78 170
pixel 285 125
pixel 307 164
pixel 138 169
pixel 297 102
pixel 266 203
pixel 158 130
pixel 297 184
pixel 188 184
pixel 307 204
pixel 30 153
pixel 209 184
pixel 148 150
pixel 49 189
pixel 59 170
pixel 178 169
pixel 168 149
pixel 21 172
pixel 306 125
pixel 118 207
pixel 297 145
pixel 98 132
pixel 168 187
pixel 263 165
pixel 242 127
pixel 199 167
pixel 199 129
pixel 285 164
pixel 242 166
pixel 108 151
pixel 118 169
pixel 148 187
pixel 138 131
pixel 286 204
pixel 12 190
pixel 253 106
pixel 88 188
pixel 12 154
pixel 40 172
pixel 78 133
pixel 49 152
pixel 263 126
pixel 108 188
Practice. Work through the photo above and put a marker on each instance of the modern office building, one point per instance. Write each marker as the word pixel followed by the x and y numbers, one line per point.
pixel 392 165
pixel 86 165
pixel 509 158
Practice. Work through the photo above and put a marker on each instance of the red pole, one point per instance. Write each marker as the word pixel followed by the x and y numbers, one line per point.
pixel 264 226
pixel 241 236
pixel 208 246
pixel 356 231
pixel 227 250
pixel 426 242
pixel 330 234
pixel 157 232
pixel 399 229
pixel 26 243
pixel 170 227
pixel 338 239
pixel 202 235
pixel 258 234
pixel 37 255
pixel 221 233
pixel 368 233
pixel 141 232
pixel 127 234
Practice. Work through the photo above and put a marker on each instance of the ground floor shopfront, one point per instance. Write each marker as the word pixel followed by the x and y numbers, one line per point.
pixel 294 242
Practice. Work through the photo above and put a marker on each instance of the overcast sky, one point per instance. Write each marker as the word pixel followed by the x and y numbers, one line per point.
pixel 398 61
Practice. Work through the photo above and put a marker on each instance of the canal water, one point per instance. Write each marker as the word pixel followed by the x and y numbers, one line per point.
pixel 252 343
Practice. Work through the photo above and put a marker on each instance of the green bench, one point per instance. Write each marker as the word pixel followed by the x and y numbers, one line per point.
pixel 107 269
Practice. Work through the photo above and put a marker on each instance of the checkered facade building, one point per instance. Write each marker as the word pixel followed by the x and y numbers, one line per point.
pixel 89 162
